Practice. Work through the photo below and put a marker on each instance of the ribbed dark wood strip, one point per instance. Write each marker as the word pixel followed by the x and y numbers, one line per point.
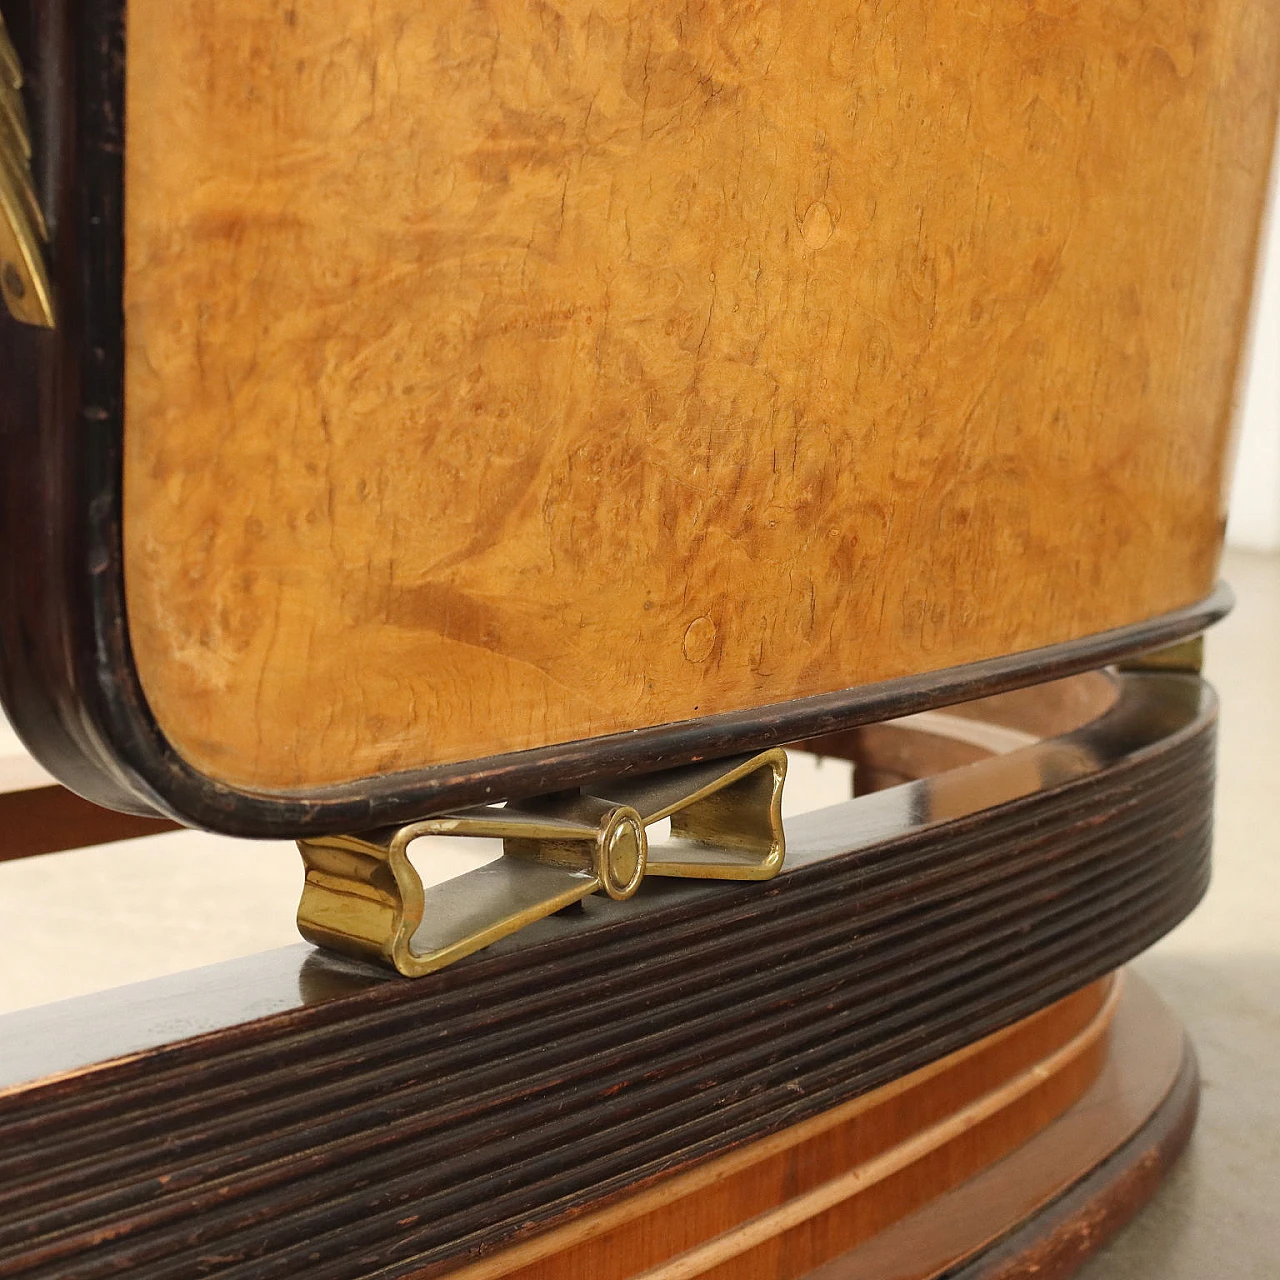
pixel 172 1150
pixel 301 1051
pixel 519 985
pixel 810 953
pixel 421 1260
pixel 480 1196
pixel 1169 815
pixel 781 1042
pixel 962 1032
pixel 792 963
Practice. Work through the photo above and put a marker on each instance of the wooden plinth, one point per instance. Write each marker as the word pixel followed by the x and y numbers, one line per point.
pixel 1045 1209
pixel 293 1115
pixel 1015 1157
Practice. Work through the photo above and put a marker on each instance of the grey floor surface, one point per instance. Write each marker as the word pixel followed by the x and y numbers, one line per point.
pixel 171 902
pixel 1218 1215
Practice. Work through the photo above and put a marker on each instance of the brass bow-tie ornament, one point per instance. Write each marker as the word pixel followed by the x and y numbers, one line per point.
pixel 362 895
pixel 24 282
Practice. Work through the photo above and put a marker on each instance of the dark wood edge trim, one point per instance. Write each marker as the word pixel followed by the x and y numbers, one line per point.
pixel 1060 1239
pixel 186 794
pixel 720 1017
pixel 67 675
pixel 61 411
pixel 132 745
pixel 1148 731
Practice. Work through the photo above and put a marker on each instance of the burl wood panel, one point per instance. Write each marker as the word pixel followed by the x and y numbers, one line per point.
pixel 505 373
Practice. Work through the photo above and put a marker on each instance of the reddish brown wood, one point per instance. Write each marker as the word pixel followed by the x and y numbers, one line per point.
pixel 39 816
pixel 1025 1187
pixel 1045 1209
pixel 877 1158
pixel 1057 1242
pixel 364 1125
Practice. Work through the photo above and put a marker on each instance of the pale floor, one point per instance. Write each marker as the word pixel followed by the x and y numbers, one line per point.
pixel 80 922
pixel 88 919
pixel 1218 1215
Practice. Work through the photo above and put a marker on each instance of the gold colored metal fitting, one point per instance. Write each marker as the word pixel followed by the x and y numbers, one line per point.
pixel 363 897
pixel 24 281
pixel 1187 656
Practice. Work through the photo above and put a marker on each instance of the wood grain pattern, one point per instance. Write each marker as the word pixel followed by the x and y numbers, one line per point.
pixel 38 816
pixel 1043 1210
pixel 1057 1242
pixel 515 373
pixel 872 1161
pixel 363 1125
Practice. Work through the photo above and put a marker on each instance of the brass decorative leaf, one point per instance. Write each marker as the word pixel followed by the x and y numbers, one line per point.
pixel 24 281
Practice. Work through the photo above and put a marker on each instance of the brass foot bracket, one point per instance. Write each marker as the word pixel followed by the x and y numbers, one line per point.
pixel 24 280
pixel 362 895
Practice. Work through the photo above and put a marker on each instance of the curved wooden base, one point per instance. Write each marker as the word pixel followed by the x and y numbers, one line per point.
pixel 1018 1156
pixel 825 1025
pixel 1045 1209
pixel 1066 1233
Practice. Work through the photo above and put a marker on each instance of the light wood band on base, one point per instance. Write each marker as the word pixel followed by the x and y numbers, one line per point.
pixel 905 1182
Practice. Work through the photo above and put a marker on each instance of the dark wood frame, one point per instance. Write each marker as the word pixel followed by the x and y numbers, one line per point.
pixel 67 675
pixel 296 1113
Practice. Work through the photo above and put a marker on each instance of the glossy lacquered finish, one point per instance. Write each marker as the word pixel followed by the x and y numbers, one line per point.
pixel 522 376
pixel 1044 1210
pixel 296 1115
pixel 961 524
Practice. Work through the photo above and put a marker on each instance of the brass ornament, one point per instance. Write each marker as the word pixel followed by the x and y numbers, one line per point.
pixel 362 895
pixel 24 281
pixel 1185 657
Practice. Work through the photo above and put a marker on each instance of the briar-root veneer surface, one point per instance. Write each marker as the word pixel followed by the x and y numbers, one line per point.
pixel 67 670
pixel 1043 1210
pixel 500 376
pixel 405 1128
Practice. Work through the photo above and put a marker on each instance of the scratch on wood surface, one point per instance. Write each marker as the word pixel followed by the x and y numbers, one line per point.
pixel 477 349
